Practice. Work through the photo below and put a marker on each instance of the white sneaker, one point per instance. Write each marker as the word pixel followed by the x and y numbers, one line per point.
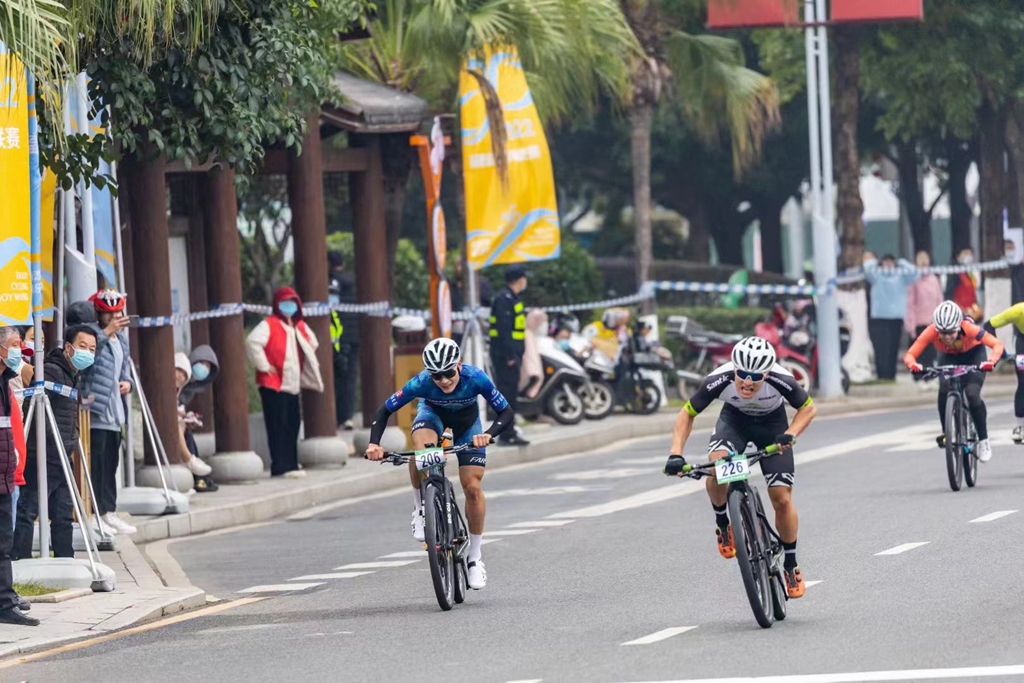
pixel 417 525
pixel 984 451
pixel 123 527
pixel 477 578
pixel 107 529
pixel 1018 434
pixel 198 467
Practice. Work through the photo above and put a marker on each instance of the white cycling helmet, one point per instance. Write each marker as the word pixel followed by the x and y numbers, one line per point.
pixel 753 354
pixel 948 317
pixel 441 354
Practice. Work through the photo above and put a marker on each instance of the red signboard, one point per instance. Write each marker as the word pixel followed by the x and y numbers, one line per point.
pixel 747 13
pixel 876 10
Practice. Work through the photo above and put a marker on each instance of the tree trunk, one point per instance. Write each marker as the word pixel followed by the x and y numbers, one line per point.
pixel 397 159
pixel 991 151
pixel 959 155
pixel 698 247
pixel 641 119
pixel 770 217
pixel 991 247
pixel 847 101
pixel 912 197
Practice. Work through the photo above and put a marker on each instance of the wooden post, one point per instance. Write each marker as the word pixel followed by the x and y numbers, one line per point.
pixel 148 200
pixel 198 294
pixel 309 234
pixel 370 244
pixel 437 241
pixel 224 280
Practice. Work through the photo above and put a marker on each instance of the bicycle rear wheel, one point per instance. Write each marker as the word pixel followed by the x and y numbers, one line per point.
pixel 439 553
pixel 954 436
pixel 750 556
pixel 970 455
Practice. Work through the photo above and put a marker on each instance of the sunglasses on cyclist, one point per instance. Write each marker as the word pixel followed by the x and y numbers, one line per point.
pixel 447 374
pixel 752 376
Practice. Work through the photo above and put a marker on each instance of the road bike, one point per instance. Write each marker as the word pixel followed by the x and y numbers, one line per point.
pixel 961 437
pixel 759 548
pixel 445 532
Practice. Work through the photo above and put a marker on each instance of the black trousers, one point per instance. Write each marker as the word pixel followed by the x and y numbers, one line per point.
pixel 346 371
pixel 1018 398
pixel 506 379
pixel 8 598
pixel 106 451
pixel 927 357
pixel 885 337
pixel 283 418
pixel 60 512
pixel 972 384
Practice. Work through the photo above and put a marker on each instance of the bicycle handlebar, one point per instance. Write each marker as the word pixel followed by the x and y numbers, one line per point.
pixel 704 469
pixel 948 371
pixel 402 457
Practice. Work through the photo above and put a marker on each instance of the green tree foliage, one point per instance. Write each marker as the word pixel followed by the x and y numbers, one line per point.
pixel 572 278
pixel 411 286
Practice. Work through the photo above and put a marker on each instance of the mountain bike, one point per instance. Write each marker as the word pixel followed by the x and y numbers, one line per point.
pixel 961 437
pixel 758 547
pixel 445 532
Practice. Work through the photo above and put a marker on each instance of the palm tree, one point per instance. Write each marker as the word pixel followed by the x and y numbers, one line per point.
pixel 572 51
pixel 704 75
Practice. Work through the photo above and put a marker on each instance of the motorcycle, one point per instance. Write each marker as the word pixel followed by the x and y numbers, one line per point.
pixel 704 351
pixel 561 383
pixel 796 344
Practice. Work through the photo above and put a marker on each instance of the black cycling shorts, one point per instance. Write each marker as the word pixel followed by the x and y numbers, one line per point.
pixel 464 428
pixel 734 431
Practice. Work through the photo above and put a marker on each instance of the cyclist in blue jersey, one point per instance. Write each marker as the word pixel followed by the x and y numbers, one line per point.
pixel 448 392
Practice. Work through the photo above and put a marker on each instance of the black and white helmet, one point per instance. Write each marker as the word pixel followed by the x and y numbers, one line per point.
pixel 441 354
pixel 948 317
pixel 753 354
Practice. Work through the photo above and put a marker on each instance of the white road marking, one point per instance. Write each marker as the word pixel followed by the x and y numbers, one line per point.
pixel 686 487
pixel 405 553
pixel 610 473
pixel 661 635
pixel 905 675
pixel 902 548
pixel 808 584
pixel 546 491
pixel 510 532
pixel 386 564
pixel 992 516
pixel 280 587
pixel 485 541
pixel 541 523
pixel 324 577
pixel 528 680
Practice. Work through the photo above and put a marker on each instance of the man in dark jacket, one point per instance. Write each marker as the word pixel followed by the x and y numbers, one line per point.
pixel 10 610
pixel 508 341
pixel 62 366
pixel 346 346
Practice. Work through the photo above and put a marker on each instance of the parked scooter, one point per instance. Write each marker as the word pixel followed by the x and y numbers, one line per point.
pixel 704 351
pixel 561 380
pixel 793 334
pixel 598 394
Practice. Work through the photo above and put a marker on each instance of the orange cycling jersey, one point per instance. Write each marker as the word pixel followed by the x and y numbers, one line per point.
pixel 970 336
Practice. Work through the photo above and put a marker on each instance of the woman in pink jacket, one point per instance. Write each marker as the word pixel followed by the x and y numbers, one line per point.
pixel 923 297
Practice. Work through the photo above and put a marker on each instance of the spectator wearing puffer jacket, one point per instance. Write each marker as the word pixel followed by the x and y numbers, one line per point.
pixel 282 348
pixel 184 375
pixel 104 386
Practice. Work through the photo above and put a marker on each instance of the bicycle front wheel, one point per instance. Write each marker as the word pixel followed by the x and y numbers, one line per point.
pixel 970 455
pixel 439 552
pixel 751 556
pixel 954 437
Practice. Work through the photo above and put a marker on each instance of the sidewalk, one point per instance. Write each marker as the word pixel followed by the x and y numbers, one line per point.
pixel 270 498
pixel 139 596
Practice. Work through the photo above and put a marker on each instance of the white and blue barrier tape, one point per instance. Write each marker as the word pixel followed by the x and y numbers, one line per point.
pixel 52 387
pixel 647 291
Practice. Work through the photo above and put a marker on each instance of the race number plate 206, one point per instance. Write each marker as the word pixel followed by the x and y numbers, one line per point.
pixel 429 457
pixel 737 469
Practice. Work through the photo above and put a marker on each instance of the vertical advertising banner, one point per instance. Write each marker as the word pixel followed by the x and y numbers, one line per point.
pixel 15 205
pixel 47 200
pixel 516 222
pixel 103 215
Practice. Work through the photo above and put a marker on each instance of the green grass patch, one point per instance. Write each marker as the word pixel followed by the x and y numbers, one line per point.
pixel 28 590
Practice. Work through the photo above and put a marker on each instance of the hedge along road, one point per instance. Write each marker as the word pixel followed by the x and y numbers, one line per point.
pixel 600 569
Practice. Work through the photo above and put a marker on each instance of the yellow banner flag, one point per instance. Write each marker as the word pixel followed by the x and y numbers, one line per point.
pixel 48 196
pixel 15 211
pixel 519 222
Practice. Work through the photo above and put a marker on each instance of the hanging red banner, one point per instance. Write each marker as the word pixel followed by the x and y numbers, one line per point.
pixel 748 13
pixel 877 10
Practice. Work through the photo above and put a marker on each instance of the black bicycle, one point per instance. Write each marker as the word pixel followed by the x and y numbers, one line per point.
pixel 758 547
pixel 961 437
pixel 445 532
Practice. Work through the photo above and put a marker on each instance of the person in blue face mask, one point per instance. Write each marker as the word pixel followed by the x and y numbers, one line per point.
pixel 63 366
pixel 202 369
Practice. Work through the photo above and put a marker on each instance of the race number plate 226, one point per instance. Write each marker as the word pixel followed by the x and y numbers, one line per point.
pixel 727 471
pixel 430 457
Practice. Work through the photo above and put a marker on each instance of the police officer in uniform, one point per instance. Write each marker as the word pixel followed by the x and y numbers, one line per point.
pixel 345 340
pixel 508 338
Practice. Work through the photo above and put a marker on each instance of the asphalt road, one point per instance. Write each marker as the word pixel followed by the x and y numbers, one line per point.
pixel 630 588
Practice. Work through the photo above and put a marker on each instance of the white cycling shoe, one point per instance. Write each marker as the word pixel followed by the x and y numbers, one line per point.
pixel 417 525
pixel 477 577
pixel 984 451
pixel 1018 434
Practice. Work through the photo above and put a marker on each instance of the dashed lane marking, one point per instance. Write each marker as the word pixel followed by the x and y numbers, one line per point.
pixel 902 548
pixel 661 635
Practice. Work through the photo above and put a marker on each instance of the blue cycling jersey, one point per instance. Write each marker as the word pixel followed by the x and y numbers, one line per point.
pixel 473 382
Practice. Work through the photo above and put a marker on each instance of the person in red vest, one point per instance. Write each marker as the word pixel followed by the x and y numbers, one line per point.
pixel 963 287
pixel 282 348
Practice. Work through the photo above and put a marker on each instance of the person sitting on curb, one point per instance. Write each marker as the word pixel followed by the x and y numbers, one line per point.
pixel 63 366
pixel 182 376
pixel 205 369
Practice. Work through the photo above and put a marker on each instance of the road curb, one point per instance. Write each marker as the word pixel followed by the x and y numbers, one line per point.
pixel 280 504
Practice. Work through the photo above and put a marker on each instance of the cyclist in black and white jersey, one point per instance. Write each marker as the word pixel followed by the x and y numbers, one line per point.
pixel 755 390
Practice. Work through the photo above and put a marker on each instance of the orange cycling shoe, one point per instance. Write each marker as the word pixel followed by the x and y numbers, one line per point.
pixel 727 548
pixel 795 587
